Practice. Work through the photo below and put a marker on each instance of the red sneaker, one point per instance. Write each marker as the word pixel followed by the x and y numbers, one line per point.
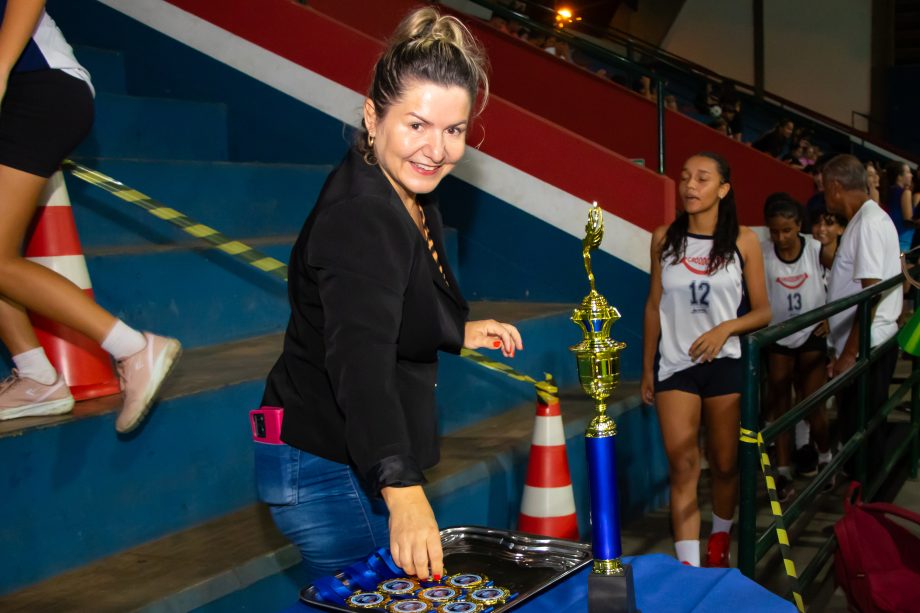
pixel 718 550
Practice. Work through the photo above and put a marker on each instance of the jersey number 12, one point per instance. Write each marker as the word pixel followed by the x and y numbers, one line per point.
pixel 703 297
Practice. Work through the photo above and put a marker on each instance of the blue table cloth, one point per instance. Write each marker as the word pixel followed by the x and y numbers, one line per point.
pixel 662 585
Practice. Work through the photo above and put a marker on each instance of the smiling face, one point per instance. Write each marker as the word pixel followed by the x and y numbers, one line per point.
pixel 784 232
pixel 421 137
pixel 701 186
pixel 826 230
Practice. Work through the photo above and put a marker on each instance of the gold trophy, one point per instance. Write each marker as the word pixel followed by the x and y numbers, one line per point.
pixel 610 585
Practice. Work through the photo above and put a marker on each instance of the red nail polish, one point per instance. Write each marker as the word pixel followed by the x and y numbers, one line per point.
pixel 437 577
pixel 496 344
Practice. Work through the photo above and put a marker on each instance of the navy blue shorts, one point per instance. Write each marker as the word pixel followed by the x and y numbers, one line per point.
pixel 706 380
pixel 812 343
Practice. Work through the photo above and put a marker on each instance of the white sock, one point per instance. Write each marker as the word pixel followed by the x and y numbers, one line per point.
pixel 688 551
pixel 826 457
pixel 33 364
pixel 721 525
pixel 785 471
pixel 802 433
pixel 123 341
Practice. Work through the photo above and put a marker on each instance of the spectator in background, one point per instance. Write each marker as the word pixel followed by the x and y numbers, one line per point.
pixel 775 142
pixel 873 176
pixel 816 203
pixel 707 101
pixel 549 45
pixel 670 102
pixel 499 24
pixel 900 201
pixel 868 254
pixel 644 88
pixel 731 113
pixel 719 125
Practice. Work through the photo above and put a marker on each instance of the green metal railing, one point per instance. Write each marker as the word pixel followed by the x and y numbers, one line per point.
pixel 753 546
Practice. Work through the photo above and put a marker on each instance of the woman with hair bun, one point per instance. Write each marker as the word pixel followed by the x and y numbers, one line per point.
pixel 373 300
pixel 707 287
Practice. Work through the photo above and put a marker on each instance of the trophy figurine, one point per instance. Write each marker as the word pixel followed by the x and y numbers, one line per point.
pixel 610 584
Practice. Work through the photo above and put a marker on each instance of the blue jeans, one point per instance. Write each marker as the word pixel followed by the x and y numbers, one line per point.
pixel 320 506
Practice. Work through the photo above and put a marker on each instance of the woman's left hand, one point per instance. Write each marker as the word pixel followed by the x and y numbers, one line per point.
pixel 708 346
pixel 491 334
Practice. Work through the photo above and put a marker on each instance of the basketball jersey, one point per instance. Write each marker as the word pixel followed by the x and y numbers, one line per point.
pixel 694 302
pixel 794 287
pixel 47 49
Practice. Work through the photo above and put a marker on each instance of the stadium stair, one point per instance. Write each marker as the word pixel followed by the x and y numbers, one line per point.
pixel 166 519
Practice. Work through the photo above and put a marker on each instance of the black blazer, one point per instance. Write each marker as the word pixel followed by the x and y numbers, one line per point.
pixel 369 312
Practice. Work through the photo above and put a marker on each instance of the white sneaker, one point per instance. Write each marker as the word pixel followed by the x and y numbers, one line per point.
pixel 24 397
pixel 142 374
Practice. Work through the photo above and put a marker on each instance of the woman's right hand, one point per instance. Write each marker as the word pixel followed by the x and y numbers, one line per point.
pixel 648 387
pixel 415 542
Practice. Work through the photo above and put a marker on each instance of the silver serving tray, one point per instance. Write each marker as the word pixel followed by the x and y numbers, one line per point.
pixel 523 563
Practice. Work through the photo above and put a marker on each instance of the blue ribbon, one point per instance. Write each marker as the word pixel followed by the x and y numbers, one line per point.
pixel 389 568
pixel 362 574
pixel 331 589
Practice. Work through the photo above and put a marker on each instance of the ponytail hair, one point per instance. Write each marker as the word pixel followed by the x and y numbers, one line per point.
pixel 726 235
pixel 427 47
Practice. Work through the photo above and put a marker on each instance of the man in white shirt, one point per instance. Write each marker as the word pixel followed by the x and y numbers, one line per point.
pixel 868 254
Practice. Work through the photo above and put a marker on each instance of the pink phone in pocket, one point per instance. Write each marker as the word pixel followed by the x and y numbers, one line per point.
pixel 266 425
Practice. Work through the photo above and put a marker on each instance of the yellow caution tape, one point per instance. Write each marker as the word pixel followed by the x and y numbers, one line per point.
pixel 546 390
pixel 782 536
pixel 201 231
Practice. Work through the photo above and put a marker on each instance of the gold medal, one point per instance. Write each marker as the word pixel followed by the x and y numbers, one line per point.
pixel 439 594
pixel 489 596
pixel 400 586
pixel 466 581
pixel 461 606
pixel 367 600
pixel 409 606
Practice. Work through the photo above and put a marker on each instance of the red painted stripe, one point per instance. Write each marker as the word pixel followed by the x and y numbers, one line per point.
pixel 53 232
pixel 548 410
pixel 548 467
pixel 512 134
pixel 565 526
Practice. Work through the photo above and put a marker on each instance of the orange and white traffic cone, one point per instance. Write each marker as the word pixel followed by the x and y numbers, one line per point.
pixel 548 503
pixel 53 243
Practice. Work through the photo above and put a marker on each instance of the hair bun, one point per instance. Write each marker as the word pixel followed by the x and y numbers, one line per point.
pixel 426 25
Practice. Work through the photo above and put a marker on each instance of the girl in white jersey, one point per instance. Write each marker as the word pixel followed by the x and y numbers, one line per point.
pixel 46 109
pixel 795 285
pixel 706 288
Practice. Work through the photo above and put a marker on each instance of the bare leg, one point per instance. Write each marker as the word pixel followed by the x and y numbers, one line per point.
pixel 722 417
pixel 780 401
pixel 679 416
pixel 26 285
pixel 813 375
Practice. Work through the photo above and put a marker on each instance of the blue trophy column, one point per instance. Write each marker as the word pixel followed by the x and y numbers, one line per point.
pixel 605 504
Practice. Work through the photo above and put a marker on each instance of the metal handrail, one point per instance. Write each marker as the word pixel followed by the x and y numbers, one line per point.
pixel 598 51
pixel 815 120
pixel 753 547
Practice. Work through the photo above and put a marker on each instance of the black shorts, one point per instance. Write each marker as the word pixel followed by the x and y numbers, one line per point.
pixel 44 116
pixel 812 343
pixel 716 378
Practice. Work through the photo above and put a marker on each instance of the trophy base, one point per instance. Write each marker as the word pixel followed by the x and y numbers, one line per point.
pixel 612 593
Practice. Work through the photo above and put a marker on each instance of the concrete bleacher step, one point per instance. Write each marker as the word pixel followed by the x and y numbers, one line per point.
pixel 197 294
pixel 77 492
pixel 273 199
pixel 106 68
pixel 156 128
pixel 254 569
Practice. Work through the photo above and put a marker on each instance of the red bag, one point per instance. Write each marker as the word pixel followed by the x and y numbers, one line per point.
pixel 877 562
